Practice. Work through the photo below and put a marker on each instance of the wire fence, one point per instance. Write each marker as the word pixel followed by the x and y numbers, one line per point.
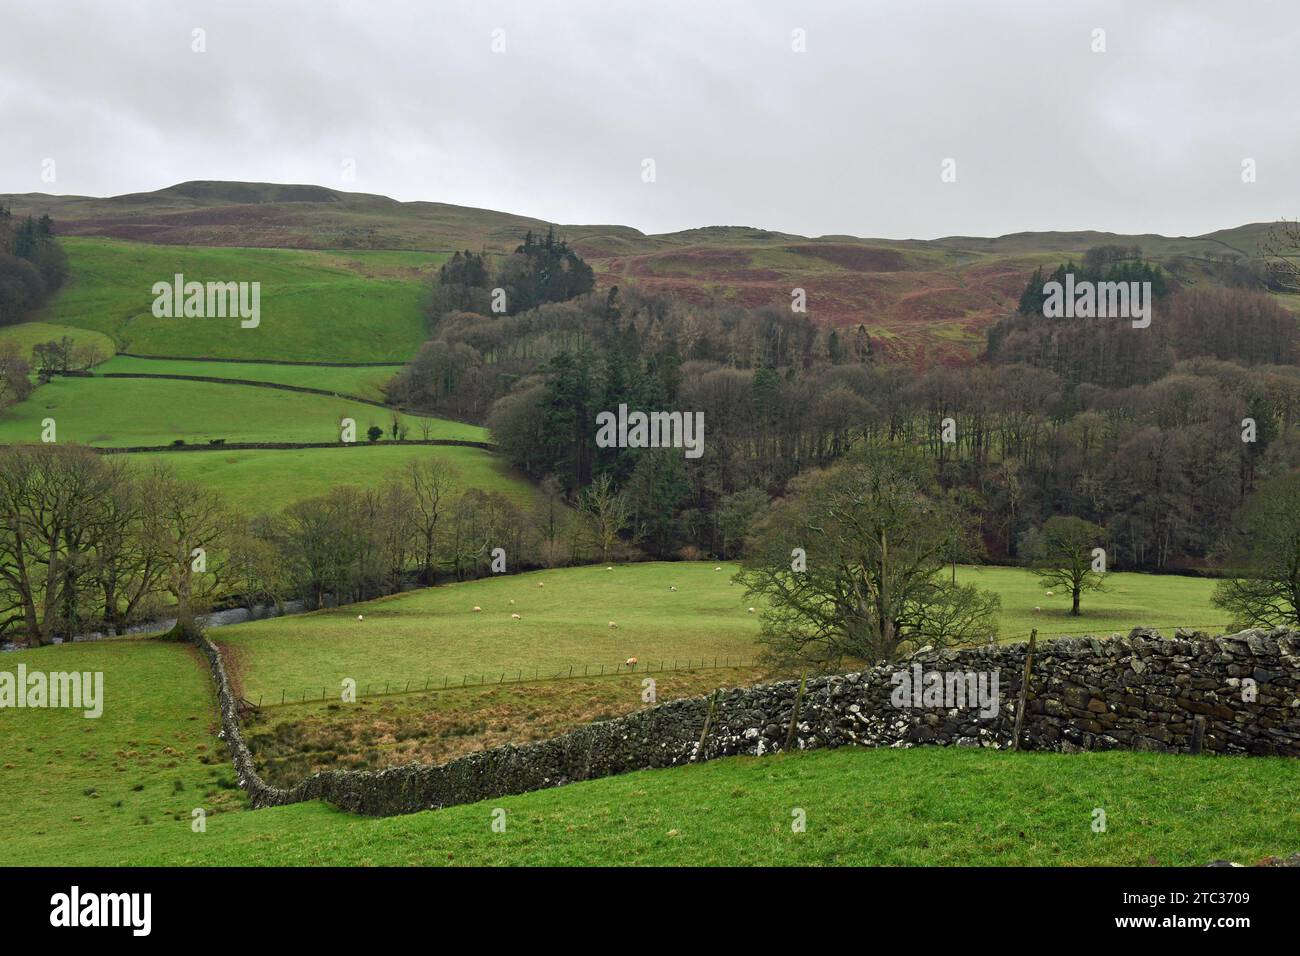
pixel 521 676
pixel 571 672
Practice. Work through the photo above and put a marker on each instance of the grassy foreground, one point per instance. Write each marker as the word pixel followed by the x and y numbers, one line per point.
pixel 315 305
pixel 121 793
pixel 127 412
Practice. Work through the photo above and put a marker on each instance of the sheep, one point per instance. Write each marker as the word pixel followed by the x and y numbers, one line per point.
pixel 1038 610
pixel 477 609
pixel 541 584
pixel 609 569
pixel 718 568
pixel 514 617
pixel 512 600
pixel 672 587
pixel 613 625
pixel 630 662
pixel 1049 593
pixel 751 610
pixel 360 618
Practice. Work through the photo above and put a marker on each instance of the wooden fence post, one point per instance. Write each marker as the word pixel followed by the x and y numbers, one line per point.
pixel 1024 690
pixel 704 734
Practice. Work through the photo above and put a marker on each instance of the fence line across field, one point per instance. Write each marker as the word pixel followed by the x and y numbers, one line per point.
pixel 415 686
pixel 590 670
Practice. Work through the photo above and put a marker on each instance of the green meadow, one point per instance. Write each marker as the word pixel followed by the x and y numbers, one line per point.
pixel 129 412
pixel 563 622
pixel 28 335
pixel 435 632
pixel 1164 601
pixel 268 480
pixel 363 382
pixel 121 791
pixel 315 305
pixel 71 785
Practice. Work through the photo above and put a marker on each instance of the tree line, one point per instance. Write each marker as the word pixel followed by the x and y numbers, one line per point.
pixel 1157 435
pixel 32 264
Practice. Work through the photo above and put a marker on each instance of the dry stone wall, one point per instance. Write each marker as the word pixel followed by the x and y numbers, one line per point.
pixel 1139 692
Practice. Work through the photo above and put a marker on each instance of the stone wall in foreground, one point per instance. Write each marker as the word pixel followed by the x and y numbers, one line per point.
pixel 1140 692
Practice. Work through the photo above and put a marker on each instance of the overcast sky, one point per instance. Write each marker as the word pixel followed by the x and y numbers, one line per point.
pixel 847 137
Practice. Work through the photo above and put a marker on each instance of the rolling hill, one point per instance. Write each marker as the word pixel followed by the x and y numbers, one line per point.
pixel 920 299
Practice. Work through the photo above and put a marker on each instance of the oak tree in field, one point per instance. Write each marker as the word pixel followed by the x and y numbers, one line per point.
pixel 1061 554
pixel 876 532
pixel 1267 553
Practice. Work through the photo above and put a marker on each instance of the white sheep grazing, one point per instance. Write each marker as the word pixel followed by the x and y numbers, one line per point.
pixel 477 608
pixel 613 625
pixel 751 610
pixel 1038 610
pixel 630 662
pixel 360 618
pixel 718 568
pixel 1049 593
pixel 541 584
pixel 609 569
pixel 512 600
pixel 672 587
pixel 514 617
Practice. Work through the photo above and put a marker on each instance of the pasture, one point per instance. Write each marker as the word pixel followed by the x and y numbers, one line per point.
pixel 315 305
pixel 435 632
pixel 363 381
pixel 73 787
pixel 119 791
pixel 255 481
pixel 28 335
pixel 131 412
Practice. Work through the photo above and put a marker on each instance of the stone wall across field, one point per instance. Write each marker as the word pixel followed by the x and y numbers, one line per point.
pixel 1140 692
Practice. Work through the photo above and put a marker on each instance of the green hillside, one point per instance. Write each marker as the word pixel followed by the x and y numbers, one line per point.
pixel 315 306
pixel 364 381
pixel 263 480
pixel 130 412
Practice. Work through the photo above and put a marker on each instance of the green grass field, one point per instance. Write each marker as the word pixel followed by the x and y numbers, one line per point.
pixel 30 334
pixel 435 632
pixel 120 791
pixel 315 305
pixel 260 480
pixel 73 786
pixel 127 412
pixel 362 382
pixel 1150 600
